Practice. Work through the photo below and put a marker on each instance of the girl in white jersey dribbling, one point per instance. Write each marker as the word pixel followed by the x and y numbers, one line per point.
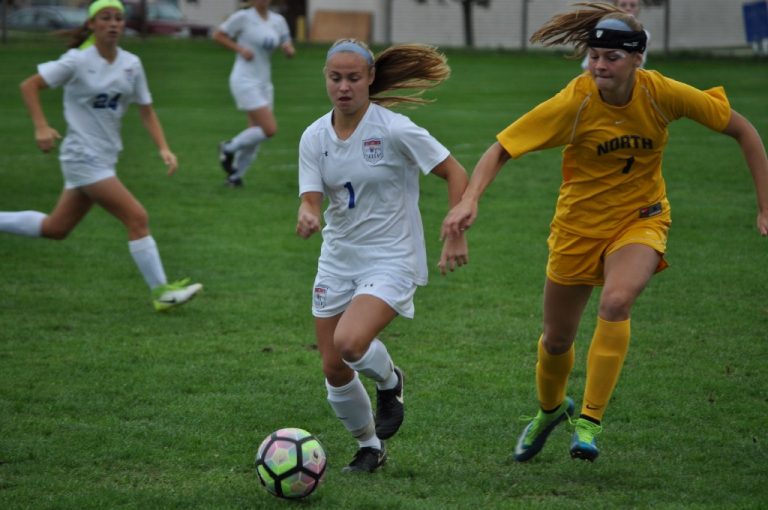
pixel 366 160
pixel 100 80
pixel 253 34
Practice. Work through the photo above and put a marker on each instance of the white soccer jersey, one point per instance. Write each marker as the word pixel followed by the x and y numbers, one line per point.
pixel 371 180
pixel 260 36
pixel 96 96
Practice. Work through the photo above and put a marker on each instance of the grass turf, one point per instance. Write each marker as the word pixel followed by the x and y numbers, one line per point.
pixel 106 404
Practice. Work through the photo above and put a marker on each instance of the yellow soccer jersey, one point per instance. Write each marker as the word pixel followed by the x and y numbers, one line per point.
pixel 612 155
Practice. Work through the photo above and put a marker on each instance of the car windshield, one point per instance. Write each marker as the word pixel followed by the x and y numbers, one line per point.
pixel 74 16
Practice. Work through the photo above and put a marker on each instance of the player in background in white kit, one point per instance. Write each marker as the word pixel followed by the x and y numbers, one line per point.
pixel 630 7
pixel 253 34
pixel 100 80
pixel 367 160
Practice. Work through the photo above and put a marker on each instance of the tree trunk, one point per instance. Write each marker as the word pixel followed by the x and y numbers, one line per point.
pixel 469 35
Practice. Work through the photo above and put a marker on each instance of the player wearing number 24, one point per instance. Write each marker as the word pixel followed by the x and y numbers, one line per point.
pixel 612 216
pixel 366 160
pixel 100 80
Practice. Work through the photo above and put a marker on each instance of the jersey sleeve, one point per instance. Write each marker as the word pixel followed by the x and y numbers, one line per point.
pixel 141 94
pixel 233 25
pixel 58 72
pixel 550 124
pixel 283 31
pixel 310 176
pixel 707 107
pixel 417 144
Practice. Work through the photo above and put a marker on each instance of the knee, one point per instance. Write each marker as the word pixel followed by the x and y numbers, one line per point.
pixel 349 347
pixel 616 304
pixel 56 233
pixel 270 131
pixel 556 342
pixel 53 230
pixel 336 372
pixel 138 224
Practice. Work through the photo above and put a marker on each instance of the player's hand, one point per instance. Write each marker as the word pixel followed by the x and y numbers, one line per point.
pixel 454 255
pixel 307 224
pixel 46 137
pixel 459 219
pixel 762 223
pixel 169 158
pixel 245 53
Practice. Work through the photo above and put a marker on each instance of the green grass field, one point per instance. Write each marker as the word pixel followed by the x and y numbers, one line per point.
pixel 106 404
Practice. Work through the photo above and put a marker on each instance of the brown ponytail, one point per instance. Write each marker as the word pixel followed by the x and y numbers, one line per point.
pixel 77 36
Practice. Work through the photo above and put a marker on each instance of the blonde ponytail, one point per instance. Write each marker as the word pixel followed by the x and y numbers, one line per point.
pixel 574 27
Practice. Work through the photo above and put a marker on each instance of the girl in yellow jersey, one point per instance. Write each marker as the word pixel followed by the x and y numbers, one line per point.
pixel 612 217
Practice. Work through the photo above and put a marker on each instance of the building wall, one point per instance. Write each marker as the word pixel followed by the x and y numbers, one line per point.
pixel 208 12
pixel 695 24
pixel 376 7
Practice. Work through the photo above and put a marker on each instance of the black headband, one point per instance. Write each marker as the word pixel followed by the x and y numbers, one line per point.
pixel 632 42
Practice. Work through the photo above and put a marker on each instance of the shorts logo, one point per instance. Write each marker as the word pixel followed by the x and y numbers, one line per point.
pixel 320 296
pixel 373 150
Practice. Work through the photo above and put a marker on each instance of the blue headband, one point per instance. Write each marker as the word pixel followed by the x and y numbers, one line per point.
pixel 351 47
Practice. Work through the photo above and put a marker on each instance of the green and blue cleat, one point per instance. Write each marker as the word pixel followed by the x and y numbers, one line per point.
pixel 534 436
pixel 583 442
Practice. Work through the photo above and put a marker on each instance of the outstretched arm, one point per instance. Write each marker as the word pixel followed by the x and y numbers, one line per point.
pixel 462 215
pixel 754 154
pixel 455 253
pixel 308 221
pixel 152 125
pixel 45 135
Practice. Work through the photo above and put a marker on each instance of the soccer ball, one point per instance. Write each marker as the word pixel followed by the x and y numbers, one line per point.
pixel 290 463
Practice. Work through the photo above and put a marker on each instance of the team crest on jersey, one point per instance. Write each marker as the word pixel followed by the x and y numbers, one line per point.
pixel 373 150
pixel 321 294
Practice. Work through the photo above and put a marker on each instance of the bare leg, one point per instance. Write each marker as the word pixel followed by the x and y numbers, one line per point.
pixel 115 198
pixel 71 208
pixel 627 271
pixel 262 125
pixel 563 307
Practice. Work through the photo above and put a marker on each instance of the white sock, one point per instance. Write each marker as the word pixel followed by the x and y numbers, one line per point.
pixel 23 223
pixel 147 257
pixel 247 137
pixel 243 160
pixel 377 365
pixel 353 407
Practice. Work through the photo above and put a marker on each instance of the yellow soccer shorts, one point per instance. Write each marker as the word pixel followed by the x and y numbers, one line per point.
pixel 578 260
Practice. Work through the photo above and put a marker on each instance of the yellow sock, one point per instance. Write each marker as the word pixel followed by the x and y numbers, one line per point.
pixel 604 361
pixel 552 371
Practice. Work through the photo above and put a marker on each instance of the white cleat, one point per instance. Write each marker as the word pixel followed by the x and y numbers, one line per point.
pixel 174 294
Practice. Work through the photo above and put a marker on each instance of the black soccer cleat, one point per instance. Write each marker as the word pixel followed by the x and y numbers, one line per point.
pixel 367 460
pixel 389 409
pixel 226 159
pixel 235 182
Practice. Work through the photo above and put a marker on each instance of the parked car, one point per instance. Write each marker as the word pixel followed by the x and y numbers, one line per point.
pixel 162 19
pixel 45 17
